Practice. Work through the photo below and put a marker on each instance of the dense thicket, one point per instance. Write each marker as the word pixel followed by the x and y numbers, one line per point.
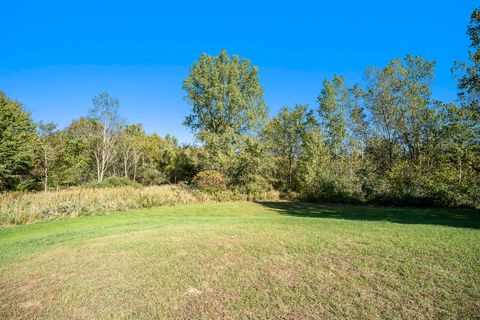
pixel 17 141
pixel 385 141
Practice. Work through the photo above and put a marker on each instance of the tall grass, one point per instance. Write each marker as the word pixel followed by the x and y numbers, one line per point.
pixel 21 208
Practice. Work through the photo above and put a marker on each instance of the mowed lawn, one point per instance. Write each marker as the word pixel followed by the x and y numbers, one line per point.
pixel 245 260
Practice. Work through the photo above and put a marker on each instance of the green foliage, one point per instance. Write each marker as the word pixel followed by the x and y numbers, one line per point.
pixel 228 111
pixel 469 80
pixel 17 146
pixel 75 164
pixel 333 108
pixel 386 141
pixel 132 143
pixel 251 168
pixel 284 135
pixel 148 175
pixel 398 97
pixel 103 133
pixel 324 177
pixel 225 95
pixel 160 154
pixel 48 150
pixel 113 182
pixel 410 150
pixel 186 164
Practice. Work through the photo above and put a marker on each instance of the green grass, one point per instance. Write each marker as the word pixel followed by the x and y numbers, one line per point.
pixel 245 260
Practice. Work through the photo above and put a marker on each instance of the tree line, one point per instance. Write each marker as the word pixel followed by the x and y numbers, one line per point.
pixel 385 141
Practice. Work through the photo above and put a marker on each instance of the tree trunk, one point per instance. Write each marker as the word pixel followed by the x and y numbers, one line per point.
pixel 45 168
pixel 460 169
pixel 97 160
pixel 135 172
pixel 125 165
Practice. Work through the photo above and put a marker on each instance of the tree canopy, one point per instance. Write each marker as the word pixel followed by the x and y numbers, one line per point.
pixel 384 141
pixel 17 145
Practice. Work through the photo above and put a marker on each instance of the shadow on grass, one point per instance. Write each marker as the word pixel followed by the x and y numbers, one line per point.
pixel 464 218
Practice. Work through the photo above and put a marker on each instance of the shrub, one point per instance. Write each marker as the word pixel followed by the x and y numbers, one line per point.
pixel 114 181
pixel 209 180
pixel 150 176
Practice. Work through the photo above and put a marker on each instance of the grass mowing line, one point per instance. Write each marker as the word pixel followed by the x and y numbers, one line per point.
pixel 22 240
pixel 243 260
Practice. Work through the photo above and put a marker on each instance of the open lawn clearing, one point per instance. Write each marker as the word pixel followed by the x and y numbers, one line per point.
pixel 245 260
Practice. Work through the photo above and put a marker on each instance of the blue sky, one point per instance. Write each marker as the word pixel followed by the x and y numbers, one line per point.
pixel 56 55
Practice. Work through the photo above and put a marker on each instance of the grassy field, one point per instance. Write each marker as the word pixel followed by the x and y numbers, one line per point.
pixel 245 260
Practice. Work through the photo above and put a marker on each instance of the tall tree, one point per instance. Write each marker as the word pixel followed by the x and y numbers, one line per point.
pixel 381 99
pixel 17 145
pixel 76 162
pixel 469 81
pixel 227 109
pixel 186 163
pixel 131 142
pixel 225 94
pixel 358 125
pixel 46 132
pixel 315 168
pixel 104 131
pixel 161 152
pixel 333 104
pixel 415 76
pixel 138 140
pixel 403 118
pixel 284 136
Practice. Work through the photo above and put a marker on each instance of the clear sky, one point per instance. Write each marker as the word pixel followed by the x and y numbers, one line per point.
pixel 56 55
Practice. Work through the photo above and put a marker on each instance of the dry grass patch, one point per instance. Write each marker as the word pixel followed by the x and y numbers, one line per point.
pixel 21 208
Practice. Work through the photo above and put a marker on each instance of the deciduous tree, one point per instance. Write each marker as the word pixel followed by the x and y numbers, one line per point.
pixel 17 145
pixel 284 135
pixel 104 131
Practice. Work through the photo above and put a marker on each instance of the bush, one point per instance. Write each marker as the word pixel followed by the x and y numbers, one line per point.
pixel 112 182
pixel 150 176
pixel 229 195
pixel 209 180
